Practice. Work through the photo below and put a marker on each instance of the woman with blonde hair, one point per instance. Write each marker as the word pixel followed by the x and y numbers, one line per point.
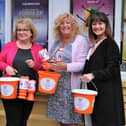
pixel 20 58
pixel 68 51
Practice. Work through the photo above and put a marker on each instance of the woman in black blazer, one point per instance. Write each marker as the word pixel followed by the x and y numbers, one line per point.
pixel 103 68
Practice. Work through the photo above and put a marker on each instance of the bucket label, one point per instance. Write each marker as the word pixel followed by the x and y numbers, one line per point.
pixel 6 89
pixel 44 56
pixel 31 85
pixel 81 103
pixel 23 84
pixel 58 54
pixel 47 84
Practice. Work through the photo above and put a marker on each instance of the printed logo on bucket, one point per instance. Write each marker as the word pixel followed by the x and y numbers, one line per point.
pixel 47 83
pixel 6 89
pixel 81 103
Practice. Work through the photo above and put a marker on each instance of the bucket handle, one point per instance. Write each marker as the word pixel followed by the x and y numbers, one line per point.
pixel 94 85
pixel 91 83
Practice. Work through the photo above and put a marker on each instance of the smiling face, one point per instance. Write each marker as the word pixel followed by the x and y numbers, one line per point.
pixel 23 32
pixel 65 27
pixel 98 28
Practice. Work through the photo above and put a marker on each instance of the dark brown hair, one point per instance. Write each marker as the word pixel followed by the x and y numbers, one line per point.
pixel 99 16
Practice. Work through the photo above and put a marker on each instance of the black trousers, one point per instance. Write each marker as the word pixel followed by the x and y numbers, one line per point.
pixel 17 111
pixel 0 73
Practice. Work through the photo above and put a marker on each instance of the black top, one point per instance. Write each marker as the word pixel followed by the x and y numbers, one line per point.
pixel 19 63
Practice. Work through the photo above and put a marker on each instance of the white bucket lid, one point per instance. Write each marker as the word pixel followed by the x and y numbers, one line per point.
pixel 9 79
pixel 84 91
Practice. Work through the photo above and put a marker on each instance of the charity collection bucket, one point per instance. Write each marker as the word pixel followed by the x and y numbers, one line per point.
pixel 84 100
pixel 9 87
pixel 48 81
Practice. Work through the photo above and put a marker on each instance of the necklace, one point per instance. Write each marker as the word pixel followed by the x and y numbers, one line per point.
pixel 24 45
pixel 66 41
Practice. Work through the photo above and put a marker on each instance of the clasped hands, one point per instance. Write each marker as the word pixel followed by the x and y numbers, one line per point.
pixel 12 71
pixel 60 65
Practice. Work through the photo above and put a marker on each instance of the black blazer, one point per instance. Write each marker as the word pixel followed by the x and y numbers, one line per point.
pixel 105 65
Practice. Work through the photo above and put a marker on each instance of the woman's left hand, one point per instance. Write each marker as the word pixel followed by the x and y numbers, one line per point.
pixel 30 63
pixel 87 77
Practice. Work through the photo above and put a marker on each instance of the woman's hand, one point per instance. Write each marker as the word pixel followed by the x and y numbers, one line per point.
pixel 30 63
pixel 59 66
pixel 87 77
pixel 11 71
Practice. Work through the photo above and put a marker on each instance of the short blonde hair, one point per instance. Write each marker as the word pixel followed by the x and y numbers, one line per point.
pixel 59 20
pixel 28 22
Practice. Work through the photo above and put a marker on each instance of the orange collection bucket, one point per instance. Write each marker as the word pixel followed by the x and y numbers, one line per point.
pixel 84 100
pixel 9 87
pixel 48 81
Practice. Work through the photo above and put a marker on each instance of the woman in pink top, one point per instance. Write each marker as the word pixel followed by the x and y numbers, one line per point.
pixel 20 58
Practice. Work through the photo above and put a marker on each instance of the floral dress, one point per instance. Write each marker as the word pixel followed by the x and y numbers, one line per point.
pixel 61 104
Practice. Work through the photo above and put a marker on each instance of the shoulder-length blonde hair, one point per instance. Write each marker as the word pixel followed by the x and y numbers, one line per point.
pixel 59 20
pixel 99 16
pixel 29 24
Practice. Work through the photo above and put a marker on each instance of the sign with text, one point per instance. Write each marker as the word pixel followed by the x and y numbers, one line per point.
pixel 37 10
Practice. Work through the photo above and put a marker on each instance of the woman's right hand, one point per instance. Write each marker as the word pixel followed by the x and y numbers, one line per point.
pixel 11 71
pixel 87 77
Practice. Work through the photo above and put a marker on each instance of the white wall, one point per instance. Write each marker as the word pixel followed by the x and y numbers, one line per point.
pixel 7 20
pixel 56 7
pixel 118 17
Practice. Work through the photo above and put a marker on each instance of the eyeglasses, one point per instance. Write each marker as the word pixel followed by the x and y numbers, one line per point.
pixel 23 30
